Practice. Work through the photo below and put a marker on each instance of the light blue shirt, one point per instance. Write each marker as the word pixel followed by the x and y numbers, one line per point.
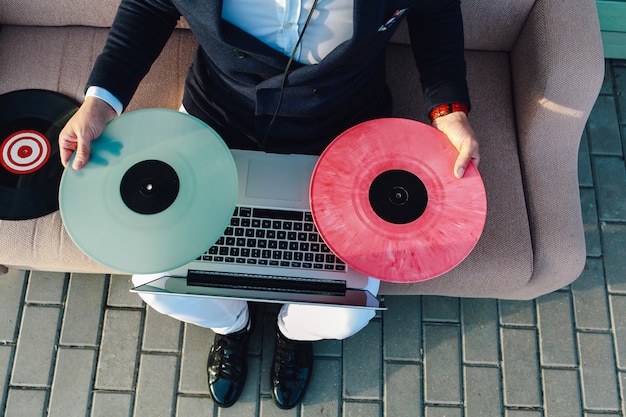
pixel 278 24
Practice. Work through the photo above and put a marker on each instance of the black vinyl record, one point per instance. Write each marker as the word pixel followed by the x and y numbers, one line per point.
pixel 30 165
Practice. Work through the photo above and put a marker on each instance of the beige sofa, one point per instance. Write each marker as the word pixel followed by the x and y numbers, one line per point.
pixel 534 71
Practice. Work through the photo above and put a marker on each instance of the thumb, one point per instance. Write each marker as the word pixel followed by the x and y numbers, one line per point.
pixel 83 150
pixel 462 161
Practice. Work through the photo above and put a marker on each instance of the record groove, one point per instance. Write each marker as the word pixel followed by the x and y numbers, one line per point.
pixel 30 166
pixel 385 200
pixel 158 191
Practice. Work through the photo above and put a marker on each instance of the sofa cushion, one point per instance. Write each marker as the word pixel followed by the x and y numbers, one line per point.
pixel 502 259
pixel 60 59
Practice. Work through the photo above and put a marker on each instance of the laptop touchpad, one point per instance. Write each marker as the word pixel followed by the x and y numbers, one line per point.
pixel 270 179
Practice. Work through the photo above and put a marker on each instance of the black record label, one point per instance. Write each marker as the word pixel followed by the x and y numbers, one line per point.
pixel 149 187
pixel 398 196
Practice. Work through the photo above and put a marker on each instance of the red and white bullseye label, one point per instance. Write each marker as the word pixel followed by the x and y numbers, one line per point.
pixel 24 152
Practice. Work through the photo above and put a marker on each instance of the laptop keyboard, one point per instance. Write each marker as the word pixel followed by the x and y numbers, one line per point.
pixel 269 237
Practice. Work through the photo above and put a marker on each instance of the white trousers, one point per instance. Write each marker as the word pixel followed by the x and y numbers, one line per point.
pixel 295 321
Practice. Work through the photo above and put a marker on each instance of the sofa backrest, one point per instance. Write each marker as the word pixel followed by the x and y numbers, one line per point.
pixel 97 13
pixel 489 25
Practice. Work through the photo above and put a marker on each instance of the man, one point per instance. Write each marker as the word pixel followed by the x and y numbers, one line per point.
pixel 278 76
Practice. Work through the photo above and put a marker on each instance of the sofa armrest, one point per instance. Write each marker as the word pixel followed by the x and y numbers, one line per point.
pixel 557 70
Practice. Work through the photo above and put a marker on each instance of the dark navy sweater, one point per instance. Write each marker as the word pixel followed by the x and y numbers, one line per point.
pixel 234 83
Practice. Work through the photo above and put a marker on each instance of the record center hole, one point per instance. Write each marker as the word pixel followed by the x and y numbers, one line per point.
pixel 25 151
pixel 399 196
pixel 147 189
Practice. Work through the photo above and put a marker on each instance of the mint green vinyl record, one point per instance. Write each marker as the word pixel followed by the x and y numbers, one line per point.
pixel 159 189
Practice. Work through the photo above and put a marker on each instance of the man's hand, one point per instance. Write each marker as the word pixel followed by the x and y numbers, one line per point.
pixel 457 128
pixel 84 127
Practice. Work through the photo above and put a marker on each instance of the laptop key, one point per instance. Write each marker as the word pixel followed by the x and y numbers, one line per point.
pixel 273 237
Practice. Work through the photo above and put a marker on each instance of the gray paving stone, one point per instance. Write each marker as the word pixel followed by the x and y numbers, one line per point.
pixel 323 396
pixel 590 298
pixel 614 242
pixel 520 368
pixel 363 364
pixel 71 386
pixel 156 386
pixel 187 406
pixel 11 289
pixel 619 73
pixel 440 309
pixel 119 292
pixel 622 384
pixel 603 128
pixel 118 350
pixel 36 346
pixel 607 82
pixel 562 393
pixel 585 176
pixel 523 413
pixel 6 356
pixel 442 364
pixel 26 403
pixel 269 329
pixel 403 389
pixel 556 329
pixel 83 310
pixel 161 333
pixel 618 308
pixel 483 392
pixel 362 409
pixel 624 125
pixel 438 411
pixel 197 342
pixel 269 409
pixel 328 348
pixel 402 327
pixel 479 325
pixel 590 221
pixel 45 287
pixel 598 379
pixel 517 313
pixel 111 404
pixel 610 178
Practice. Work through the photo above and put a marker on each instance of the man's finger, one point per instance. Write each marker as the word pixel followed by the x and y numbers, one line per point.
pixel 463 160
pixel 83 151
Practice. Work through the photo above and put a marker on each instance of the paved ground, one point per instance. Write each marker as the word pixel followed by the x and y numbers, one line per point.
pixel 84 346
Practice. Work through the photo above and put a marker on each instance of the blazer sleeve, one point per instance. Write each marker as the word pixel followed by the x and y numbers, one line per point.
pixel 139 32
pixel 436 31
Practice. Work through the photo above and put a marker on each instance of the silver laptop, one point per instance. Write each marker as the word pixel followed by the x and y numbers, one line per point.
pixel 271 250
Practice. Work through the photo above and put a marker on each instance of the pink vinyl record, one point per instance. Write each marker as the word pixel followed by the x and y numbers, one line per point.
pixel 385 200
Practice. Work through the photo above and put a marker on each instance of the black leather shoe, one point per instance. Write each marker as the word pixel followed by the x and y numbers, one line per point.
pixel 291 370
pixel 228 367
